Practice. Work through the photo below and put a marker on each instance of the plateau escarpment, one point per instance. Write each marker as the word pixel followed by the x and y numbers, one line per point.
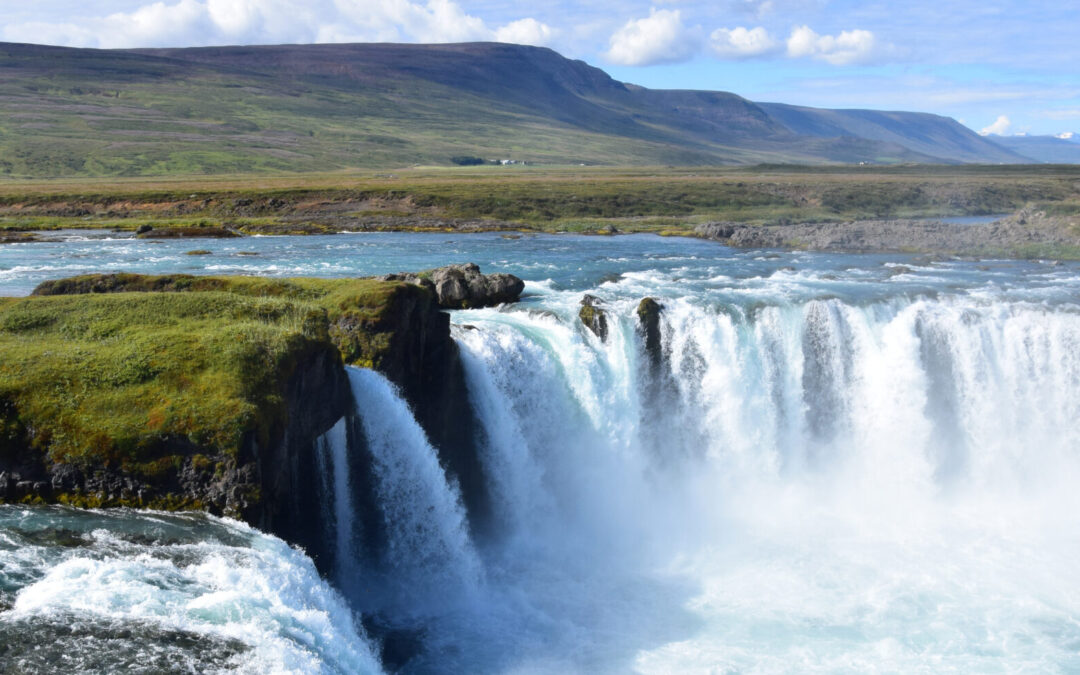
pixel 184 392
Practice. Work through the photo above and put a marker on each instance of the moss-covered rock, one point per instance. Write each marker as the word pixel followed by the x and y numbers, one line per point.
pixel 593 316
pixel 209 393
pixel 127 389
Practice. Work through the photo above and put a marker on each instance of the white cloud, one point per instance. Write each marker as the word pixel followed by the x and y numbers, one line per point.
pixel 525 32
pixel 1000 127
pixel 213 22
pixel 849 47
pixel 1066 136
pixel 742 43
pixel 661 37
pixel 152 24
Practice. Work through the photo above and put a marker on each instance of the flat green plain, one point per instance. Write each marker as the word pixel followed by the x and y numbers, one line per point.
pixel 577 199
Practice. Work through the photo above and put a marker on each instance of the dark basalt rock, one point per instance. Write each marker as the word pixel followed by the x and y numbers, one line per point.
pixel 648 312
pixel 18 237
pixel 464 286
pixel 594 318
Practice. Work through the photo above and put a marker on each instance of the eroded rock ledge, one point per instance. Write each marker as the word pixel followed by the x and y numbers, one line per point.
pixel 1027 233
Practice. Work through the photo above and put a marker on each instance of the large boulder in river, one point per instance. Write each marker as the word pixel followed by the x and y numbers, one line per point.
pixel 594 318
pixel 464 286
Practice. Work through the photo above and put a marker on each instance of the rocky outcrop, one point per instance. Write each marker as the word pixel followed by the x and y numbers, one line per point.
pixel 464 286
pixel 271 478
pixel 648 313
pixel 593 316
pixel 18 237
pixel 185 233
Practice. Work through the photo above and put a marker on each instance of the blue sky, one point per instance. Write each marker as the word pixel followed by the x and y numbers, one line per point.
pixel 1007 67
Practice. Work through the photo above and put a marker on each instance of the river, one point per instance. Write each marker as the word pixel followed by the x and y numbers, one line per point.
pixel 844 463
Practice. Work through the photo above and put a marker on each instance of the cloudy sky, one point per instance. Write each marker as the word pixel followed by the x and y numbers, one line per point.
pixel 998 66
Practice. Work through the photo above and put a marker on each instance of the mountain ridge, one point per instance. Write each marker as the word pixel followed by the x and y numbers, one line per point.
pixel 331 106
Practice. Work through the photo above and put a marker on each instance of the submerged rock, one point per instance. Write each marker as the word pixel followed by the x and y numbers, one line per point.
pixel 594 318
pixel 186 233
pixel 18 237
pixel 464 286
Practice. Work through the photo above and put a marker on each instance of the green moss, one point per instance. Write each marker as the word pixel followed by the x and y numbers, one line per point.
pixel 116 376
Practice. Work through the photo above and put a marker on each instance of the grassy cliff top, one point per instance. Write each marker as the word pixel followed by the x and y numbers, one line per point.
pixel 116 367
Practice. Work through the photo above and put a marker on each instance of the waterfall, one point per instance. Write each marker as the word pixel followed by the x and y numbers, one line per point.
pixel 334 467
pixel 814 481
pixel 823 449
pixel 428 561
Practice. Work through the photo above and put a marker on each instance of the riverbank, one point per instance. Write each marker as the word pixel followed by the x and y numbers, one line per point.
pixel 1025 234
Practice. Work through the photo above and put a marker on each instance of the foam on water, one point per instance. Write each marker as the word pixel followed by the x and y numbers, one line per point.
pixel 145 592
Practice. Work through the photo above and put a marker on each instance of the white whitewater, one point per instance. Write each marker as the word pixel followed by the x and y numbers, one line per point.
pixel 852 464
pixel 154 592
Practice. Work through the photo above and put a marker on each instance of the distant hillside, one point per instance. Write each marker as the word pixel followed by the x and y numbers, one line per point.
pixel 323 107
pixel 1044 149
pixel 932 135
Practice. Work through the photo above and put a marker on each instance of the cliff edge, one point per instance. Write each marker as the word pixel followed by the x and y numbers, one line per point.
pixel 210 393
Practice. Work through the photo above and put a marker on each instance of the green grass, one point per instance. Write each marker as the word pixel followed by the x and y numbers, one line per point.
pixel 112 377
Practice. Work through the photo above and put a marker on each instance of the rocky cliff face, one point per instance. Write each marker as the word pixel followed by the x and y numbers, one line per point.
pixel 269 483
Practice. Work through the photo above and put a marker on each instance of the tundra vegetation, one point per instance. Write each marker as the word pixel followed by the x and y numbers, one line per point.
pixel 579 199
